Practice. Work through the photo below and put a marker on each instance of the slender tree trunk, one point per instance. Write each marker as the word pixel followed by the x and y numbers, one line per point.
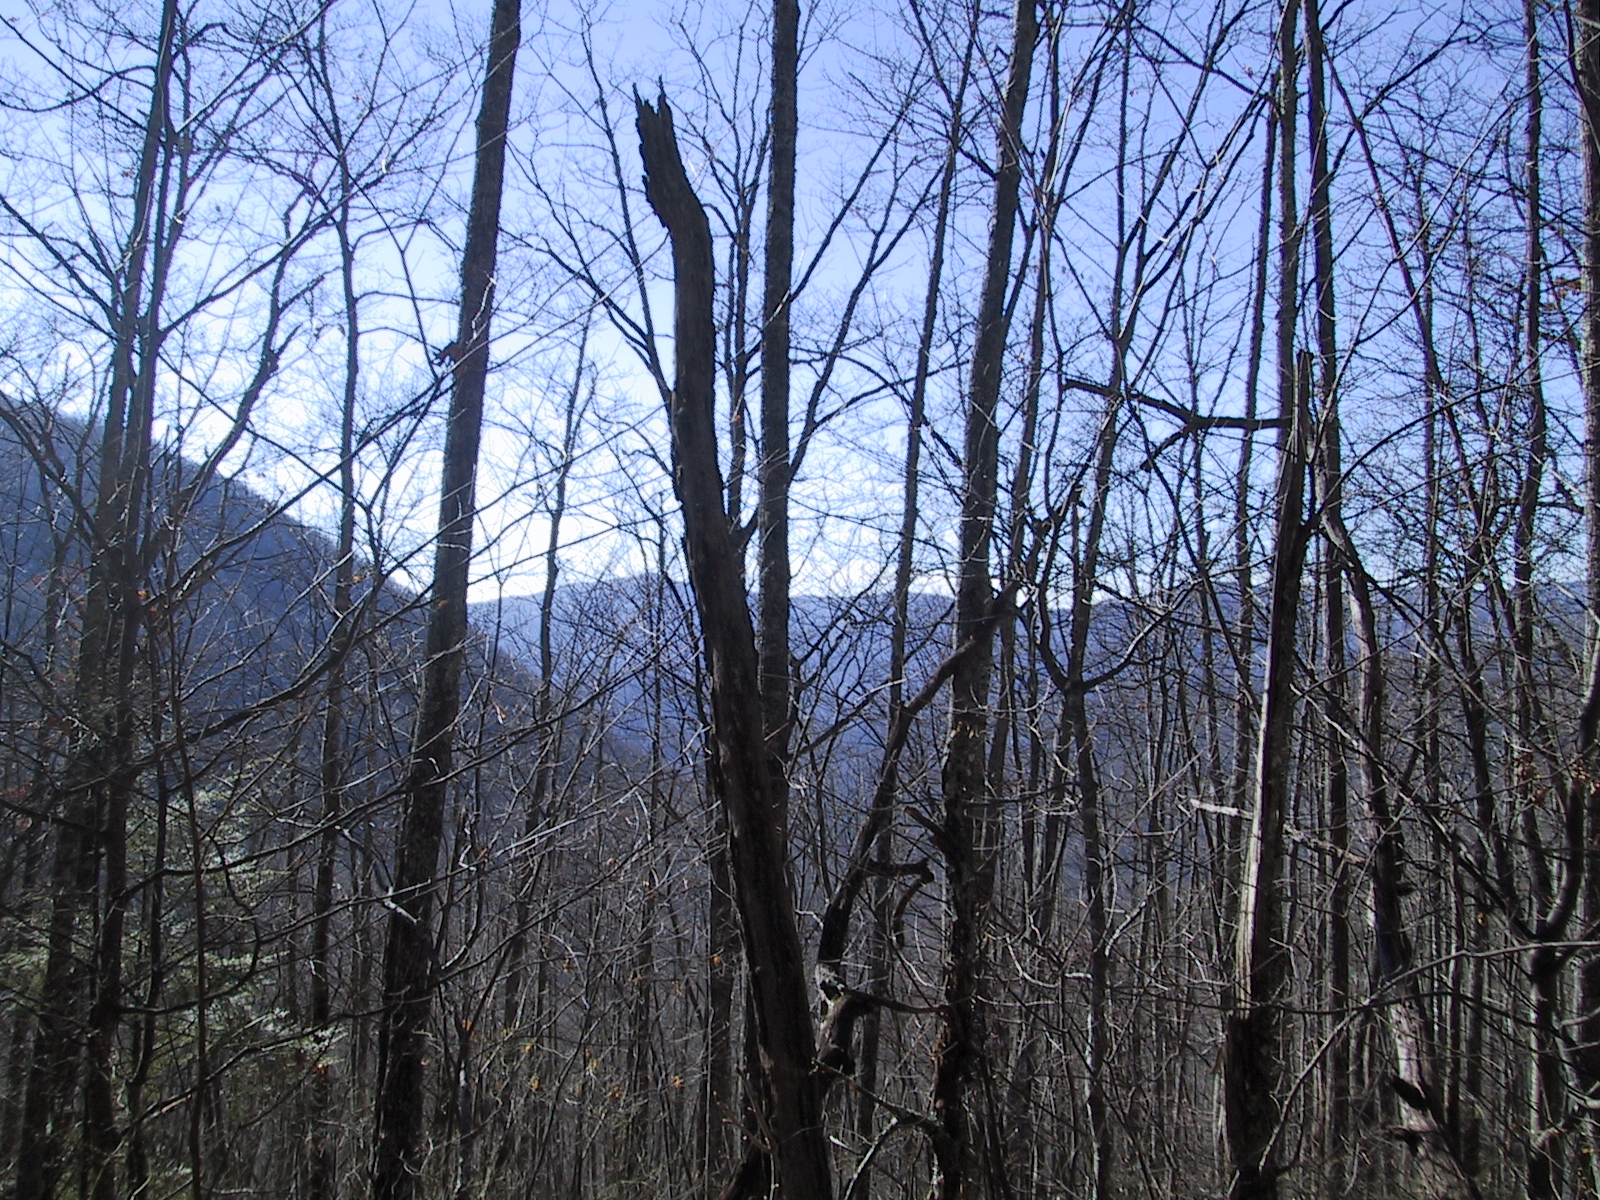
pixel 969 827
pixel 1071 680
pixel 1096 859
pixel 1586 34
pixel 774 468
pixel 1253 1039
pixel 1423 1127
pixel 1245 710
pixel 410 956
pixel 722 1094
pixel 722 925
pixel 200 1097
pixel 1253 1042
pixel 549 738
pixel 81 1009
pixel 322 1145
pixel 638 1168
pixel 35 839
pixel 1080 765
pixel 138 1157
pixel 779 993
pixel 1019 1129
pixel 1330 482
pixel 1547 1164
pixel 1529 492
pixel 776 676
pixel 878 952
pixel 526 866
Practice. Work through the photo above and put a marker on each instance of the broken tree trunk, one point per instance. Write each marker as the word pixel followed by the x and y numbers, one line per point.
pixel 779 993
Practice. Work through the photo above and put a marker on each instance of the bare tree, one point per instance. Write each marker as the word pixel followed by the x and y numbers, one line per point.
pixel 756 855
pixel 969 827
pixel 410 970
pixel 1253 1025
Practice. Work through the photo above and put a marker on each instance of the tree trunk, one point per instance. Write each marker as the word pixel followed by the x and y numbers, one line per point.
pixel 970 826
pixel 1336 781
pixel 776 675
pixel 80 1010
pixel 1586 33
pixel 1253 1034
pixel 321 1180
pixel 878 953
pixel 549 740
pixel 779 994
pixel 138 1157
pixel 1245 709
pixel 410 957
pixel 1423 1128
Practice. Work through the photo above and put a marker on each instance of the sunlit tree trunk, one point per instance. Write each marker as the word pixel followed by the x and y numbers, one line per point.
pixel 1253 1036
pixel 1330 482
pixel 1245 707
pixel 1586 35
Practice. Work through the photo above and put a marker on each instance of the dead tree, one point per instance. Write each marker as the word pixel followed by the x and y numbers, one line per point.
pixel 784 1031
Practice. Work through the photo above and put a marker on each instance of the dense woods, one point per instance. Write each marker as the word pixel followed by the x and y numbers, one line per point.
pixel 917 601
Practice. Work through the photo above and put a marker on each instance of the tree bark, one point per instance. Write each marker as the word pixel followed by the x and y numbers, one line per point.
pixel 1330 470
pixel 1587 73
pixel 784 1029
pixel 1253 1025
pixel 879 968
pixel 773 514
pixel 410 956
pixel 969 827
pixel 80 1009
